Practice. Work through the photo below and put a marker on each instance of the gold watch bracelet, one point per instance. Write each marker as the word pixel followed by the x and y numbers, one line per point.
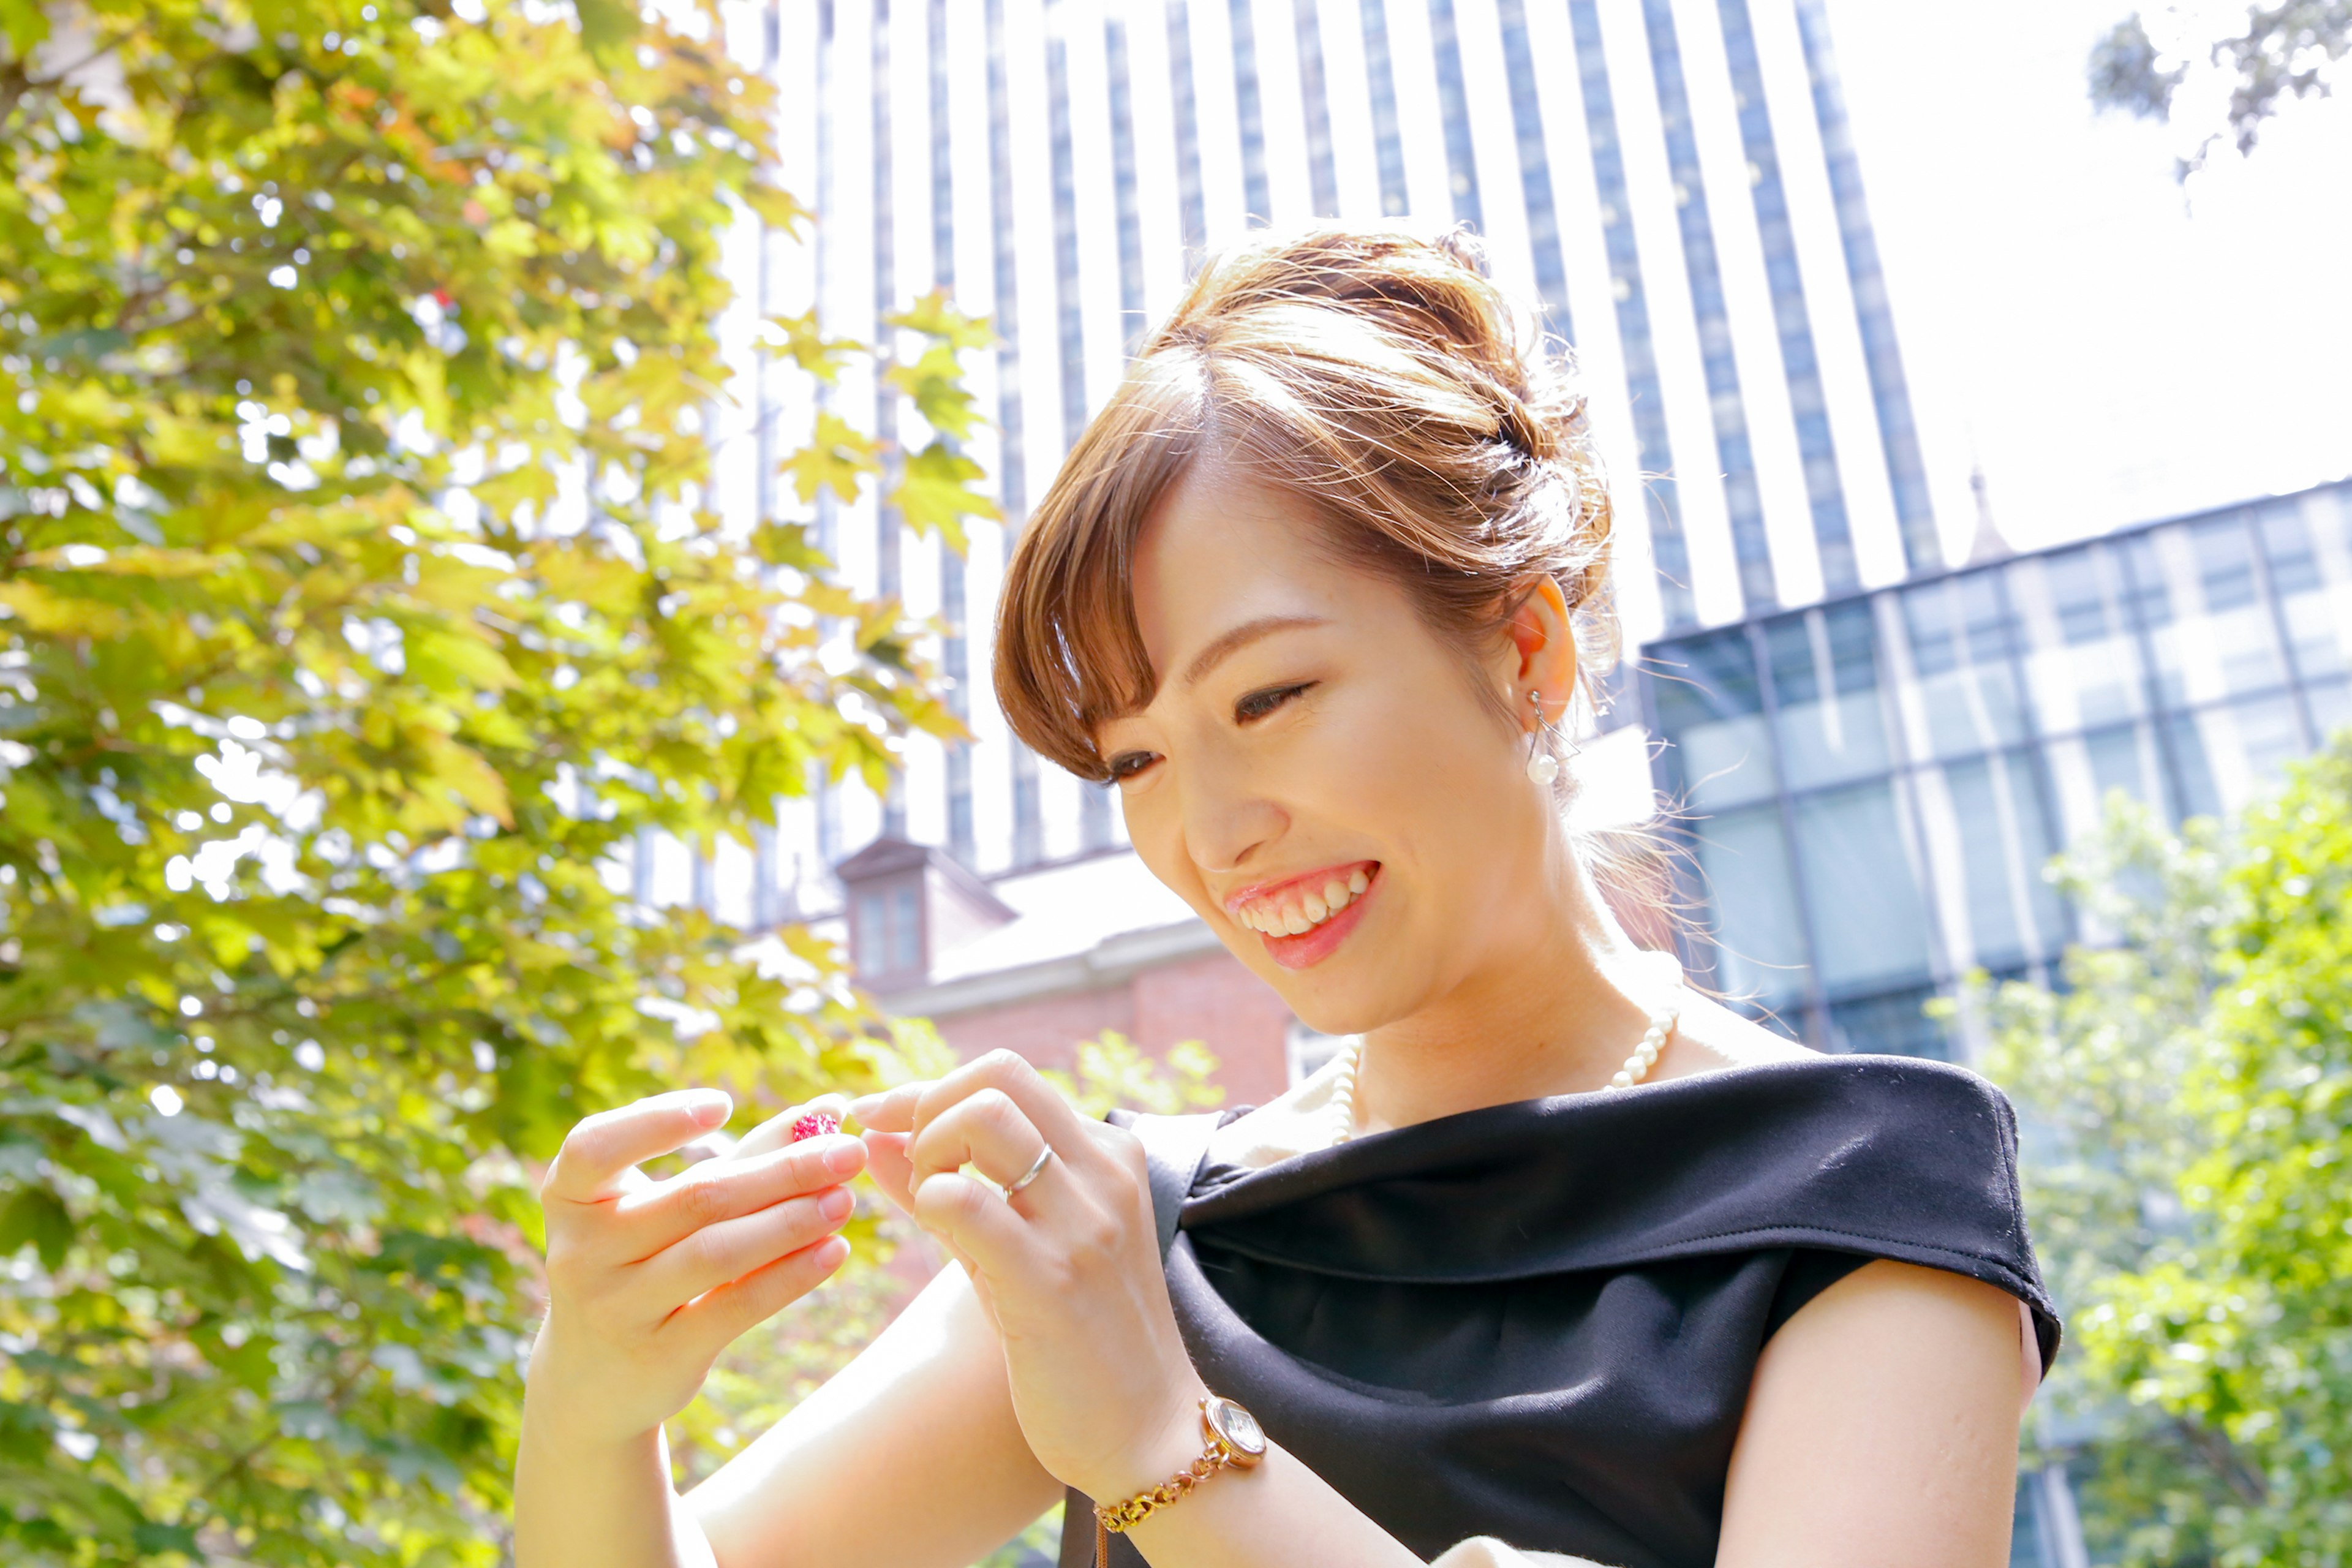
pixel 1114 1518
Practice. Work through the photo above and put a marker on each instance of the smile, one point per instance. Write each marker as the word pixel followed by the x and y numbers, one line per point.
pixel 1303 919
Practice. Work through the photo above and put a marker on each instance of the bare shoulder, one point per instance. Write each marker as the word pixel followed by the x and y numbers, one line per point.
pixel 1881 1426
pixel 1710 1036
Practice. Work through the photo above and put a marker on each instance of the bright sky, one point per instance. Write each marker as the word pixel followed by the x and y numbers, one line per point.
pixel 2111 346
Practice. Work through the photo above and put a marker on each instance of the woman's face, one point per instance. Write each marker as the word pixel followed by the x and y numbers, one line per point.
pixel 1316 773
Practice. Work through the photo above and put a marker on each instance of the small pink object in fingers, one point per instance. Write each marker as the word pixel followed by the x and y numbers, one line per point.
pixel 815 1124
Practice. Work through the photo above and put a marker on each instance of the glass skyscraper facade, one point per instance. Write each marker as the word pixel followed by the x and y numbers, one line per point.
pixel 1872 785
pixel 1673 181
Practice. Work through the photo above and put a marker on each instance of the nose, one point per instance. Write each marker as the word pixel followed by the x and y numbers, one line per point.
pixel 1228 820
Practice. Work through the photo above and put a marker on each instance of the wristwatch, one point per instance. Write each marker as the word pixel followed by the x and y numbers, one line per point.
pixel 1234 1439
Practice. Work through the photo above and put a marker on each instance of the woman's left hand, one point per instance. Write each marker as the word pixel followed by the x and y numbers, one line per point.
pixel 1068 1269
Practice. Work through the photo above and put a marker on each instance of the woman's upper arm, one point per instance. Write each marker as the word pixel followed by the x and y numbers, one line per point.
pixel 911 1457
pixel 1881 1428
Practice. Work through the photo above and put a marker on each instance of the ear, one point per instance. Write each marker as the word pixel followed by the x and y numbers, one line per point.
pixel 1543 638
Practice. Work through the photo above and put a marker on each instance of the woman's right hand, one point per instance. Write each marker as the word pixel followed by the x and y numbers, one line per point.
pixel 647 1281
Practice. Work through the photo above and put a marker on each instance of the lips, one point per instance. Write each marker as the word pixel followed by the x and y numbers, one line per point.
pixel 1302 919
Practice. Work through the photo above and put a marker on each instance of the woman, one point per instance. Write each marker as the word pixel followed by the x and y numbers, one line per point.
pixel 1556 1258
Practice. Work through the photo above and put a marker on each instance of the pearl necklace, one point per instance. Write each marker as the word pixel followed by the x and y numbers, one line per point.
pixel 1637 1066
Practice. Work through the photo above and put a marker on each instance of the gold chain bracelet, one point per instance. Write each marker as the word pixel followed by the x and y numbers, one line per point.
pixel 1234 1439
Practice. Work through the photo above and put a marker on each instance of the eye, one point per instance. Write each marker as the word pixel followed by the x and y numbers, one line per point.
pixel 1127 764
pixel 1258 704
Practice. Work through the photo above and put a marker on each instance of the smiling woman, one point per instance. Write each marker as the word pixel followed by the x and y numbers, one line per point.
pixel 1556 1262
pixel 1385 386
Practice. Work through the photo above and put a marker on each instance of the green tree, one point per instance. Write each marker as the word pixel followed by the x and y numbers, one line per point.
pixel 362 601
pixel 2188 1101
pixel 2220 82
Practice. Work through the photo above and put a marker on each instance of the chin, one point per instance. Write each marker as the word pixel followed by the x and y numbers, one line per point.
pixel 1335 1007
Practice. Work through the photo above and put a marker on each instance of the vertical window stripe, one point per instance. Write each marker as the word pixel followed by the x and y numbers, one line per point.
pixel 1387 142
pixel 1668 547
pixel 1701 266
pixel 1323 181
pixel 1454 105
pixel 1122 171
pixel 1800 364
pixel 1535 167
pixel 1250 111
pixel 1922 550
pixel 1190 206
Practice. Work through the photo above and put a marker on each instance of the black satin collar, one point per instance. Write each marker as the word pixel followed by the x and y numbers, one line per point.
pixel 1888 1156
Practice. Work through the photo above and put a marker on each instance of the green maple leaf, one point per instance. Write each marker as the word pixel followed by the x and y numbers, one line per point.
pixel 837 456
pixel 937 493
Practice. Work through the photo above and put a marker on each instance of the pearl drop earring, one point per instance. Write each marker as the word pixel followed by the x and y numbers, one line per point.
pixel 1542 766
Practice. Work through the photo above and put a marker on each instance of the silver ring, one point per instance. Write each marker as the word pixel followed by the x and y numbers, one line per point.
pixel 1030 1174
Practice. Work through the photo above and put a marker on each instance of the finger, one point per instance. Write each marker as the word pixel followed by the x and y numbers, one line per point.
pixel 893 1172
pixel 718 1190
pixel 720 1316
pixel 716 1254
pixel 891 1110
pixel 1010 1074
pixel 990 1131
pixel 776 1132
pixel 992 1240
pixel 598 1151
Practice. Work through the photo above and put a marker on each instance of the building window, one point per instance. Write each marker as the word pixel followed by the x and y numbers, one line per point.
pixel 1250 111
pixel 1799 365
pixel 1453 109
pixel 886 300
pixel 1122 173
pixel 1668 549
pixel 1535 166
pixel 1824 668
pixel 1028 816
pixel 1189 203
pixel 1011 479
pixel 1388 142
pixel 1066 239
pixel 890 932
pixel 1734 452
pixel 1922 551
pixel 943 163
pixel 1323 182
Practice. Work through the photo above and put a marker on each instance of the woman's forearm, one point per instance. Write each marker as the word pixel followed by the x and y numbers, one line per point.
pixel 1278 1515
pixel 584 1501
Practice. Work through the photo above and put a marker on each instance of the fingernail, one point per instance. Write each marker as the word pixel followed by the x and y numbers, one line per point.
pixel 835 1204
pixel 709 1107
pixel 842 1158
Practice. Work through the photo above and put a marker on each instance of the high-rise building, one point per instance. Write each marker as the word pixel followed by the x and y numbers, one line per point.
pixel 1673 180
pixel 1875 783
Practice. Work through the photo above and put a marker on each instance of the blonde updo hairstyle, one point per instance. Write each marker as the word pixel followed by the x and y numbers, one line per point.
pixel 1382 376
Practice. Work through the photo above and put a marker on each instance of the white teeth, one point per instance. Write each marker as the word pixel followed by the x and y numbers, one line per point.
pixel 1313 909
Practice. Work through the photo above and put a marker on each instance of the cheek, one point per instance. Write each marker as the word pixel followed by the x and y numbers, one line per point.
pixel 1155 830
pixel 1429 756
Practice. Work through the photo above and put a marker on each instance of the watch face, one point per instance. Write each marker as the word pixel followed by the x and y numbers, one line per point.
pixel 1236 1427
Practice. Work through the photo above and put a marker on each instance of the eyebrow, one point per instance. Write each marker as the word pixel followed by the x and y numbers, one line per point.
pixel 1241 636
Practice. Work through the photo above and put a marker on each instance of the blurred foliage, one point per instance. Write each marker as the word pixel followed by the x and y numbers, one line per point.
pixel 1112 1070
pixel 767 1372
pixel 361 606
pixel 2220 74
pixel 2188 1099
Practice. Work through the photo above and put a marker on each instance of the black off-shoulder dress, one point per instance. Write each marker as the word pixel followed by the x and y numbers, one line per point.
pixel 1539 1322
